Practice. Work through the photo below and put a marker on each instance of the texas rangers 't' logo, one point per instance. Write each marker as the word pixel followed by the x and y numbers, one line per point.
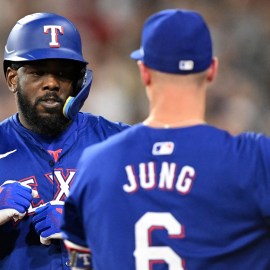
pixel 54 29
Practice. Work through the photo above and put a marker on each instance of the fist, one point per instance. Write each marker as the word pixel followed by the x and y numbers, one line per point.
pixel 47 220
pixel 15 199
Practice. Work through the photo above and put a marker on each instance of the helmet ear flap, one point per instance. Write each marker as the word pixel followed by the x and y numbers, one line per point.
pixel 74 104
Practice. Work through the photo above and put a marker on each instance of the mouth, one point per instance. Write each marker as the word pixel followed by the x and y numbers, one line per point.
pixel 51 103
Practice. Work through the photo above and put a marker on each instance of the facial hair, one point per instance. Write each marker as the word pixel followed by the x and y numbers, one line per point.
pixel 51 125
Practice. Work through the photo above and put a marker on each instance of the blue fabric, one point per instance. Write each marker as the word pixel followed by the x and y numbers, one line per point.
pixel 198 191
pixel 66 46
pixel 51 174
pixel 175 41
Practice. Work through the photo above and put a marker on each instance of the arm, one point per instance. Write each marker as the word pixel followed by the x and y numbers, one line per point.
pixel 80 255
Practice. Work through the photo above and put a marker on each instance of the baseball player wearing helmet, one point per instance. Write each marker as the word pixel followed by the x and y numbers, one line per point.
pixel 177 193
pixel 41 144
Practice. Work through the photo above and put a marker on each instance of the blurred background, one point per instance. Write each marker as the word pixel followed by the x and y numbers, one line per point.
pixel 239 99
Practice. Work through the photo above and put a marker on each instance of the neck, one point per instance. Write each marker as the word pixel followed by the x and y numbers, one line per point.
pixel 154 122
pixel 170 107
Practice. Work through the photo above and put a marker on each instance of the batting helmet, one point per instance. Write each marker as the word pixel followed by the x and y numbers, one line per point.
pixel 48 36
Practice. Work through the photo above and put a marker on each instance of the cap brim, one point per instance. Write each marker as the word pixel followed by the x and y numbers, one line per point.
pixel 137 55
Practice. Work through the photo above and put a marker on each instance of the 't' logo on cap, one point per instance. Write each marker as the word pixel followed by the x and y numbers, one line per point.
pixel 54 34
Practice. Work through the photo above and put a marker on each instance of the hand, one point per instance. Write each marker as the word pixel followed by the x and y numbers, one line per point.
pixel 47 220
pixel 15 199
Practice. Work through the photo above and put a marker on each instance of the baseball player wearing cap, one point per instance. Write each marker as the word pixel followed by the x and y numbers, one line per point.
pixel 41 144
pixel 176 193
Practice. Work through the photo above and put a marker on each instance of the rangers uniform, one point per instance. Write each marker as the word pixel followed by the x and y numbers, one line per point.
pixel 38 168
pixel 188 198
pixel 49 167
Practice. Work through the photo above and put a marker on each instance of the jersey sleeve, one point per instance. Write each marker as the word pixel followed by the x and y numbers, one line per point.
pixel 72 226
pixel 109 128
pixel 262 178
pixel 78 201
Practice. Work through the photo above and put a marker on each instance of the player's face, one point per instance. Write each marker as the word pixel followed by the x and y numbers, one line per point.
pixel 42 88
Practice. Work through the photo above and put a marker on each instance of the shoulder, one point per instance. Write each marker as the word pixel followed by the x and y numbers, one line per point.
pixel 102 158
pixel 9 133
pixel 114 145
pixel 5 122
pixel 252 139
pixel 117 126
pixel 100 123
pixel 8 126
pixel 253 149
pixel 241 141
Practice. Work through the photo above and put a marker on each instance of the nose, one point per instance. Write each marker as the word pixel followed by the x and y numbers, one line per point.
pixel 51 82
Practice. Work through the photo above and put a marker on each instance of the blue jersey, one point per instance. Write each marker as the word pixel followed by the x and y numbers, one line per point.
pixel 48 166
pixel 193 198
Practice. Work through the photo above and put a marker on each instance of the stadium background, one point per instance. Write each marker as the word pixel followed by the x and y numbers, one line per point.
pixel 239 100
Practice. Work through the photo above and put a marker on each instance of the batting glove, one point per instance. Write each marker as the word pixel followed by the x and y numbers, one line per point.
pixel 15 199
pixel 47 221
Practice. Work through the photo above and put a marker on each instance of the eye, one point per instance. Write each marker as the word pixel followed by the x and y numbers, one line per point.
pixel 67 75
pixel 37 73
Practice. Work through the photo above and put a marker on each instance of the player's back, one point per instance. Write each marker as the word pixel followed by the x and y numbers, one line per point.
pixel 191 198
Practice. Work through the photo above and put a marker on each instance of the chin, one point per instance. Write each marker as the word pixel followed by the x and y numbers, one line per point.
pixel 49 124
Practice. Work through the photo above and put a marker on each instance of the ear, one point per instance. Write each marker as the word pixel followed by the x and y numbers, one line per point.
pixel 145 73
pixel 11 78
pixel 213 69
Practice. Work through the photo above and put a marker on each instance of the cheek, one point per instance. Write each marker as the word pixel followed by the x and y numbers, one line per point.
pixel 26 90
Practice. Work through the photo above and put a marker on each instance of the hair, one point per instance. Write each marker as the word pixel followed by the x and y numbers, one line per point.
pixel 197 78
pixel 13 65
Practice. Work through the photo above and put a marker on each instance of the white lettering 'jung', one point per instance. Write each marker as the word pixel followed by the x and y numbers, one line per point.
pixel 54 34
pixel 167 179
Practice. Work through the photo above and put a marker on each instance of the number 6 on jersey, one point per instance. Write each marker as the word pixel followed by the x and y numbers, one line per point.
pixel 146 255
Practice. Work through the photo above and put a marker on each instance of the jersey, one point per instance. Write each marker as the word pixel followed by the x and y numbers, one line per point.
pixel 188 198
pixel 48 166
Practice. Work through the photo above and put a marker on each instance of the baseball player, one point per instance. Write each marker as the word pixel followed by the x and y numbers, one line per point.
pixel 172 192
pixel 41 144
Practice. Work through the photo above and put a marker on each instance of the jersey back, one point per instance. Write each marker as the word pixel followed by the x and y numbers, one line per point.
pixel 189 198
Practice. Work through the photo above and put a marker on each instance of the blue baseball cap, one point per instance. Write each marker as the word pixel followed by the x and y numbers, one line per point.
pixel 175 41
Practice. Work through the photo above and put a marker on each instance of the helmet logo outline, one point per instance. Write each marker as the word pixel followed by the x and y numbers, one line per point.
pixel 54 34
